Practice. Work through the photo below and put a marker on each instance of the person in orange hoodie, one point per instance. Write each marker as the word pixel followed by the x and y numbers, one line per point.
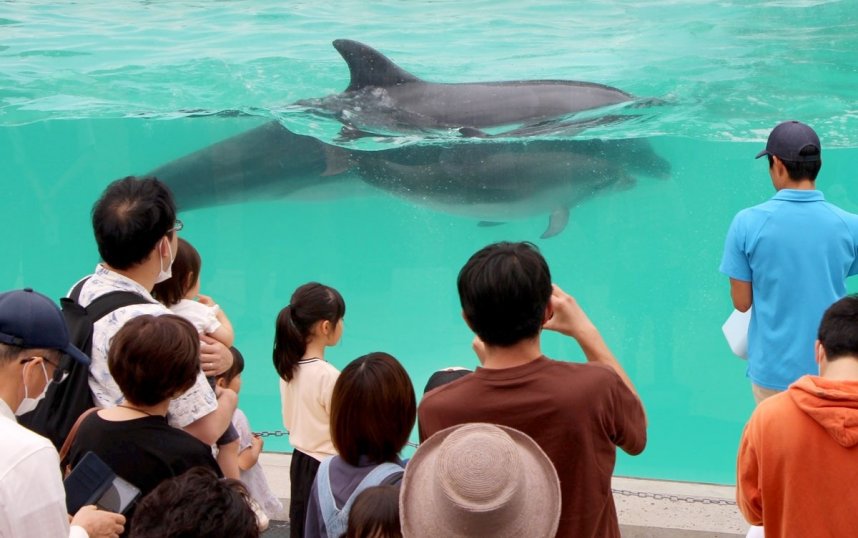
pixel 798 457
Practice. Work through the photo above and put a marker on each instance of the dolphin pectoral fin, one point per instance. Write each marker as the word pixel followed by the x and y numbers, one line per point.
pixel 472 132
pixel 368 67
pixel 625 182
pixel 336 161
pixel 350 133
pixel 556 222
pixel 488 224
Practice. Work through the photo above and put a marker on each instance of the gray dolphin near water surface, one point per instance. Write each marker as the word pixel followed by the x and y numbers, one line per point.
pixel 492 180
pixel 383 96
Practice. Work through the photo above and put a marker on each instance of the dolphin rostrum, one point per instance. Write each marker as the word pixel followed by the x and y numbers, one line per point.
pixel 384 97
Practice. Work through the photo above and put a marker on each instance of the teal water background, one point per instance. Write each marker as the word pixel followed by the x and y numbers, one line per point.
pixel 90 92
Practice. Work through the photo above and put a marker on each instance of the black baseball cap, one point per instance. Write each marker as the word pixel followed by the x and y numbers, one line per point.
pixel 29 319
pixel 788 139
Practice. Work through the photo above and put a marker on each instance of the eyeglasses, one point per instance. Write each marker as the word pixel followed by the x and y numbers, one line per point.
pixel 60 373
pixel 177 226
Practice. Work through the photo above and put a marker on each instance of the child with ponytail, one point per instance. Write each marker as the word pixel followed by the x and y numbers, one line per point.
pixel 311 322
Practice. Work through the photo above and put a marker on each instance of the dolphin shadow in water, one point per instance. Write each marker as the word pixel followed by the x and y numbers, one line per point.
pixel 489 179
pixel 384 97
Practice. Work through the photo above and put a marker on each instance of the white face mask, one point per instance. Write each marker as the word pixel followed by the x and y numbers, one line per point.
pixel 166 274
pixel 28 404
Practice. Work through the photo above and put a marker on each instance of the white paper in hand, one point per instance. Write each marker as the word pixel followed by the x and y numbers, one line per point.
pixel 736 332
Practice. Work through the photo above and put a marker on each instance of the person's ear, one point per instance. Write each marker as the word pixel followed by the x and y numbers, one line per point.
pixel 325 327
pixel 28 365
pixel 468 322
pixel 159 248
pixel 32 370
pixel 821 357
pixel 548 314
pixel 780 168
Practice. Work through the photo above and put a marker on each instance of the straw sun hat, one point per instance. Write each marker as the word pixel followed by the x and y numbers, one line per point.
pixel 480 480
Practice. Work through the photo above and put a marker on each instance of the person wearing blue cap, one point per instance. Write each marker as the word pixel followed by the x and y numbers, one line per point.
pixel 33 337
pixel 789 258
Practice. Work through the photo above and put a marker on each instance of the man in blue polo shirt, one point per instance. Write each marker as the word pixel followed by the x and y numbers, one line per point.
pixel 788 257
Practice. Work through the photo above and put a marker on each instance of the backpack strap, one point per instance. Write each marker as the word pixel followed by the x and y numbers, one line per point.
pixel 327 504
pixel 75 292
pixel 377 476
pixel 107 303
pixel 336 519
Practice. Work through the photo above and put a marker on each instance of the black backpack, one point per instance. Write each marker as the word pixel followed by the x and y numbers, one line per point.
pixel 65 402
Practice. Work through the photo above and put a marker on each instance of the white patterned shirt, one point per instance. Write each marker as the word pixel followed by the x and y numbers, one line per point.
pixel 32 497
pixel 194 404
pixel 202 317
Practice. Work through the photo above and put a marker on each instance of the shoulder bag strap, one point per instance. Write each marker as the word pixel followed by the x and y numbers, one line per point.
pixel 64 451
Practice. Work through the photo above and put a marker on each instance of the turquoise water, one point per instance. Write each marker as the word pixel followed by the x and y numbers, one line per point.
pixel 90 92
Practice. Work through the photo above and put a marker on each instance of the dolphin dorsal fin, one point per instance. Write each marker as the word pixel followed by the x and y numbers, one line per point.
pixel 368 67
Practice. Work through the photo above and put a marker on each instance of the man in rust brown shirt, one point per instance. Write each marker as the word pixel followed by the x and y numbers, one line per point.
pixel 577 412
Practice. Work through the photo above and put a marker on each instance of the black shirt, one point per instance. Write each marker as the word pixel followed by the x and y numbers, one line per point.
pixel 144 451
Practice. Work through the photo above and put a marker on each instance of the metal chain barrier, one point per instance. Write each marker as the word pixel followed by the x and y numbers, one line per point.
pixel 283 433
pixel 275 433
pixel 675 498
pixel 624 492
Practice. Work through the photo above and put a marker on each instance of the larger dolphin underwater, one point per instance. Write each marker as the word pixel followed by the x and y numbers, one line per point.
pixel 493 180
pixel 383 97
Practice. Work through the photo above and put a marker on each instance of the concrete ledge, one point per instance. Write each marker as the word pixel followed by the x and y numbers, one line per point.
pixel 661 508
pixel 646 508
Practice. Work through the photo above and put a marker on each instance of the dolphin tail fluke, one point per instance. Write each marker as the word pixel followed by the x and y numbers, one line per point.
pixel 368 67
pixel 556 222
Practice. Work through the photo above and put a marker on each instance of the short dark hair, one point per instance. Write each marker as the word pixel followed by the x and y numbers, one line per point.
pixel 236 368
pixel 311 303
pixel 504 290
pixel 373 409
pixel 838 330
pixel 185 272
pixel 9 353
pixel 375 514
pixel 804 169
pixel 129 219
pixel 196 503
pixel 154 358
